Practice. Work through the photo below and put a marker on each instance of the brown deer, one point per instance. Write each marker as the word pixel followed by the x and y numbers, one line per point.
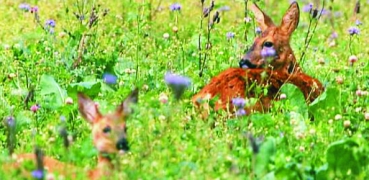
pixel 270 63
pixel 109 137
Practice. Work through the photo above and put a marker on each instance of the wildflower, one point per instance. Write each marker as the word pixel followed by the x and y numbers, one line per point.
pixel 50 23
pixel 338 117
pixel 35 108
pixel 37 174
pixel 334 35
pixel 258 30
pixel 175 7
pixel 109 78
pixel 68 100
pixel 34 9
pixel 352 59
pixel 175 29
pixel 230 35
pixel 283 96
pixel 163 98
pixel 62 118
pixel 339 80
pixel 268 52
pixel 224 8
pixel 166 35
pixel 366 115
pixel 307 7
pixel 353 30
pixel 25 7
pixel 10 121
pixel 358 22
pixel 346 123
pixel 177 83
pixel 240 112
pixel 239 102
pixel 206 12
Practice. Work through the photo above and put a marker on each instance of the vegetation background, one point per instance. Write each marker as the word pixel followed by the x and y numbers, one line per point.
pixel 64 46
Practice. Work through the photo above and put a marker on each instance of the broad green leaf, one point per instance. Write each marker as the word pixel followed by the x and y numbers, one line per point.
pixel 91 89
pixel 52 93
pixel 326 105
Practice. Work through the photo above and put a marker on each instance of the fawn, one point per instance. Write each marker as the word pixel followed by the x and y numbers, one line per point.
pixel 109 137
pixel 270 62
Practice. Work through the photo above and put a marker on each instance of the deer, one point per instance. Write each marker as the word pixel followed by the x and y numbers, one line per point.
pixel 270 63
pixel 109 134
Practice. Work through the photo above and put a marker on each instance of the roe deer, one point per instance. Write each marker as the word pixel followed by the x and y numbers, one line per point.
pixel 109 138
pixel 270 62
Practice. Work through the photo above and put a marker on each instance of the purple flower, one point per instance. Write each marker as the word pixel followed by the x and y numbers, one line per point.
pixel 25 7
pixel 358 22
pixel 230 35
pixel 62 118
pixel 353 30
pixel 37 174
pixel 109 78
pixel 177 83
pixel 34 9
pixel 175 7
pixel 334 35
pixel 35 107
pixel 50 23
pixel 239 102
pixel 268 52
pixel 240 112
pixel 258 30
pixel 307 7
pixel 10 121
pixel 224 8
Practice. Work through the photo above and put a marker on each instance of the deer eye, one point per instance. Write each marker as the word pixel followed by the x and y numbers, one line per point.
pixel 268 44
pixel 107 129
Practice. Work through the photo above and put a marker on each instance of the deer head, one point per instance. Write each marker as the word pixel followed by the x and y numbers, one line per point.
pixel 271 49
pixel 109 131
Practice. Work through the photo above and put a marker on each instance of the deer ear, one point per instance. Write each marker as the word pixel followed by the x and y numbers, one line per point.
pixel 262 19
pixel 125 108
pixel 88 108
pixel 291 19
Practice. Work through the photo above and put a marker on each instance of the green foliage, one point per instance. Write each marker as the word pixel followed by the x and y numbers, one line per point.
pixel 139 41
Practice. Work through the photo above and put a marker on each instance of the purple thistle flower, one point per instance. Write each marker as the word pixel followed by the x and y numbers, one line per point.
pixel 25 7
pixel 240 112
pixel 353 30
pixel 177 83
pixel 50 23
pixel 37 174
pixel 175 7
pixel 10 121
pixel 268 52
pixel 230 35
pixel 307 7
pixel 334 35
pixel 258 30
pixel 358 22
pixel 239 102
pixel 34 9
pixel 109 78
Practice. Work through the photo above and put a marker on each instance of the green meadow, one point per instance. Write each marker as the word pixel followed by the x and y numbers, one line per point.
pixel 50 50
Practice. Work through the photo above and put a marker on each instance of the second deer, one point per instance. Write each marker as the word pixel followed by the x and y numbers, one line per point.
pixel 109 134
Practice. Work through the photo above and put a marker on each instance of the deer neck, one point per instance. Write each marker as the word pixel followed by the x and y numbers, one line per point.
pixel 104 166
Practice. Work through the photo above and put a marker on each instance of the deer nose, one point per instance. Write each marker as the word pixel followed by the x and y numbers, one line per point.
pixel 243 63
pixel 122 144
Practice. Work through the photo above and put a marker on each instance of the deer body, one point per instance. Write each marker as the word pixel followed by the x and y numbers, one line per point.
pixel 109 138
pixel 270 63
